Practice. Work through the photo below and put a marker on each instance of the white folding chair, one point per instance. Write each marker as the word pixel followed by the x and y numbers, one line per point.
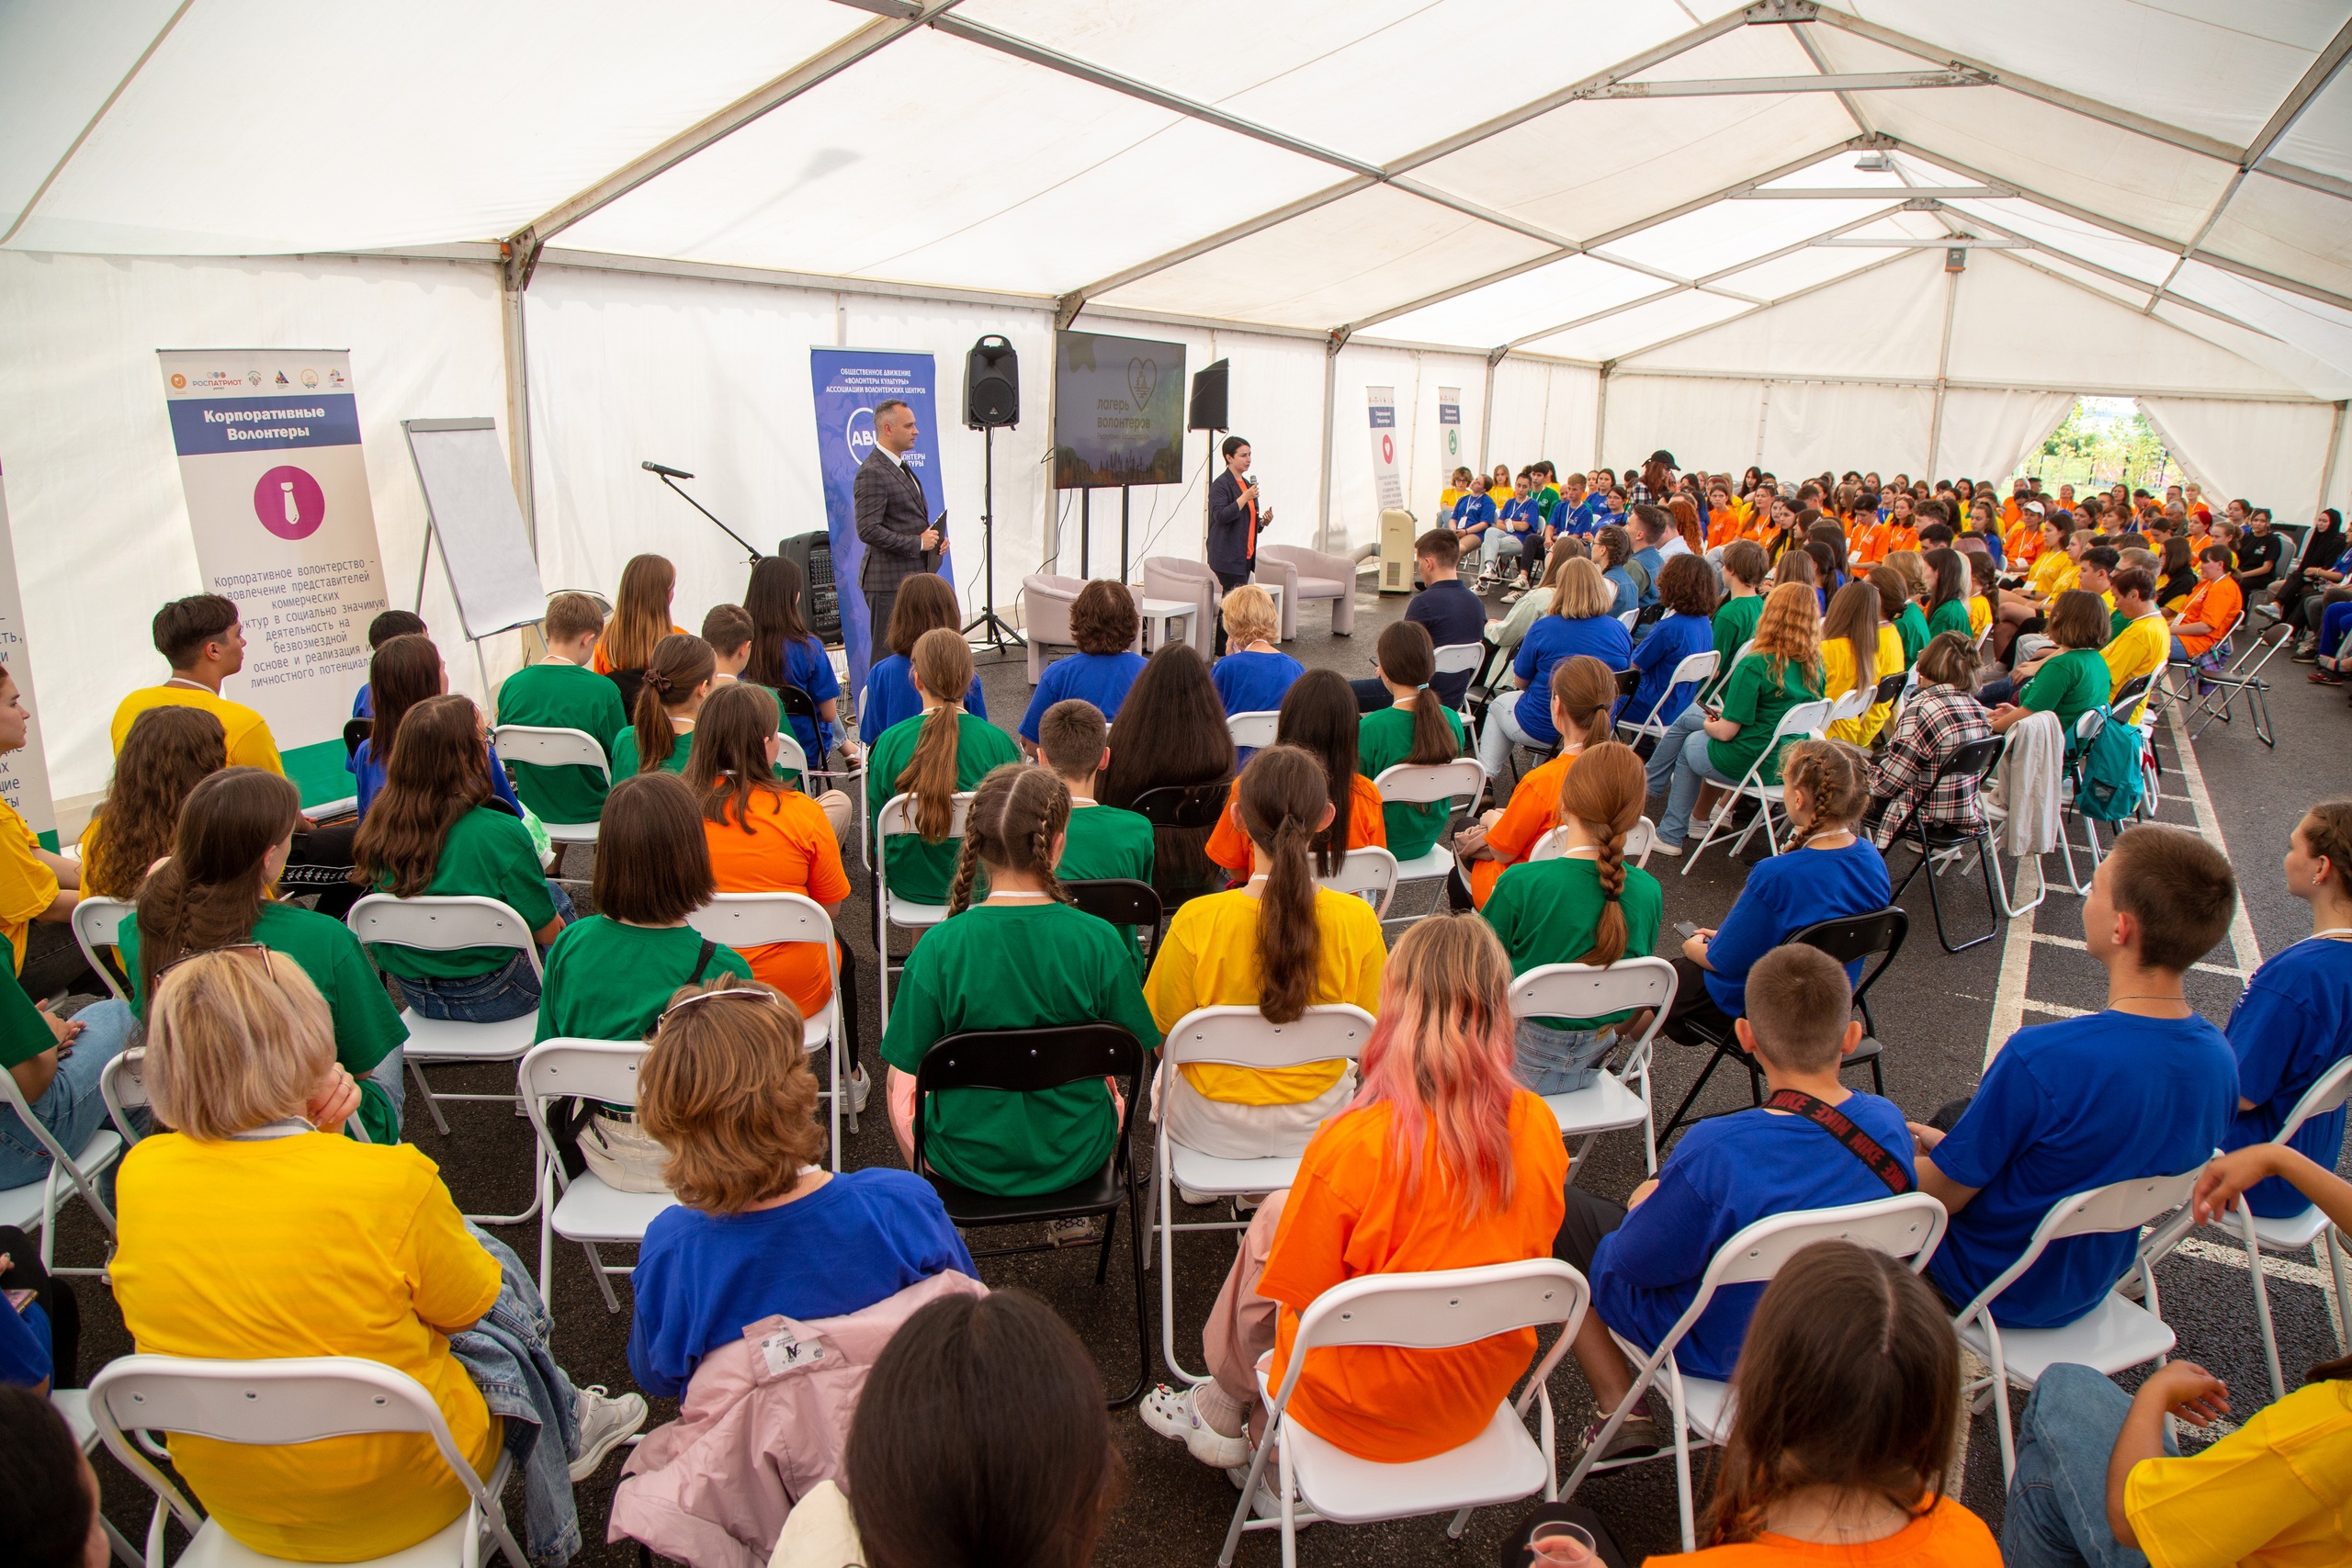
pixel 1460 658
pixel 1801 721
pixel 583 1208
pixel 1906 1225
pixel 890 910
pixel 1630 619
pixel 1253 730
pixel 123 1086
pixel 1431 1310
pixel 95 922
pixel 35 1205
pixel 1699 667
pixel 2296 1232
pixel 2114 1336
pixel 555 748
pixel 1612 1100
pixel 1239 1037
pixel 1369 873
pixel 74 1405
pixel 2088 726
pixel 280 1403
pixel 444 924
pixel 746 921
pixel 1640 838
pixel 1421 784
pixel 1852 704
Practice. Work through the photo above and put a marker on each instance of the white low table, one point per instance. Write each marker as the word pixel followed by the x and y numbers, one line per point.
pixel 1166 620
pixel 1274 591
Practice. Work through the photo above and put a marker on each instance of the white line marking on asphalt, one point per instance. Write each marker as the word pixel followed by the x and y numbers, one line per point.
pixel 2049 939
pixel 2242 943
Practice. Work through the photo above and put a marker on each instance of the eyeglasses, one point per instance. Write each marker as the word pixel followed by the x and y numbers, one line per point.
pixel 267 963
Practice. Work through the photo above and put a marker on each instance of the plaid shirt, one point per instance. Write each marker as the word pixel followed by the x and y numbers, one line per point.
pixel 1936 722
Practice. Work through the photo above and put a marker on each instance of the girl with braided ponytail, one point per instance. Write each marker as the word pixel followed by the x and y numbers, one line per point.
pixel 1279 944
pixel 668 699
pixel 930 758
pixel 1582 906
pixel 1020 957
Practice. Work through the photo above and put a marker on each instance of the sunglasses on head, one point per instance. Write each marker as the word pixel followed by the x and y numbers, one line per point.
pixel 268 965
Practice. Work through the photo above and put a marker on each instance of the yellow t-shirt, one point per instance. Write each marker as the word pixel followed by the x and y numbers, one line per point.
pixel 26 884
pixel 1980 614
pixel 2277 1493
pixel 310 1246
pixel 250 742
pixel 2139 649
pixel 1838 679
pixel 2054 574
pixel 1209 958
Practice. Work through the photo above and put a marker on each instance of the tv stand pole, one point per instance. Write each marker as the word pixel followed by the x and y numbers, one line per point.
pixel 999 630
pixel 1085 499
pixel 1127 494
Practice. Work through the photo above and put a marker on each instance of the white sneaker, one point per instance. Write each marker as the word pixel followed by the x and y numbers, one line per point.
pixel 1660 846
pixel 604 1423
pixel 1177 1415
pixel 1186 1195
pixel 857 1088
pixel 1076 1232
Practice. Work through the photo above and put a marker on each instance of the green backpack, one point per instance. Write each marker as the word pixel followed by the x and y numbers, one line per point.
pixel 2111 784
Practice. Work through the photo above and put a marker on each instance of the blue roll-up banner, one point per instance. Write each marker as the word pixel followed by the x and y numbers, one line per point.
pixel 848 383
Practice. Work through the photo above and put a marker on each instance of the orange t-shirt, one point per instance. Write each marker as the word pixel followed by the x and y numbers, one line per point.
pixel 2215 604
pixel 1899 537
pixel 1349 1212
pixel 603 666
pixel 1723 527
pixel 1229 846
pixel 1947 1536
pixel 2022 544
pixel 1533 806
pixel 790 849
pixel 1868 545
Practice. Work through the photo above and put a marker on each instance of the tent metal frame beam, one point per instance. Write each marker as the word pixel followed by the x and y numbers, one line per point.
pixel 1850 82
pixel 2124 280
pixel 1873 193
pixel 1946 242
pixel 1620 370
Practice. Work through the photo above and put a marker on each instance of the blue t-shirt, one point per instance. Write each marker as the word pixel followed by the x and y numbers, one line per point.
pixel 1254 683
pixel 1102 679
pixel 890 698
pixel 805 666
pixel 1652 564
pixel 701 1278
pixel 2292 1024
pixel 371 778
pixel 1551 640
pixel 25 1356
pixel 2066 1107
pixel 1628 593
pixel 1523 513
pixel 1673 637
pixel 1728 1173
pixel 1784 895
pixel 1587 514
pixel 1472 511
pixel 363 704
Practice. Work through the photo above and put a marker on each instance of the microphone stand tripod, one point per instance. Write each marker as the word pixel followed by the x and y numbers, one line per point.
pixel 698 506
pixel 998 629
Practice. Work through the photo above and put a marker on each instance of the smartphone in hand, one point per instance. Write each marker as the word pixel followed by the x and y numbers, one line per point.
pixel 1685 929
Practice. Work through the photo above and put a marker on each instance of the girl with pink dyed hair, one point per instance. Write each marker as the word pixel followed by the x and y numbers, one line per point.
pixel 1441 1161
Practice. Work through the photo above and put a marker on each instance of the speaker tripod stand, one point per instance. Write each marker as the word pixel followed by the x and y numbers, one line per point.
pixel 1000 630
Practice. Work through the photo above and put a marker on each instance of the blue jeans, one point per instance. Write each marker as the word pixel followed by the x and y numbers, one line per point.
pixel 1558 1061
pixel 506 1355
pixel 1501 731
pixel 2057 1508
pixel 1693 770
pixel 506 992
pixel 1669 751
pixel 71 1107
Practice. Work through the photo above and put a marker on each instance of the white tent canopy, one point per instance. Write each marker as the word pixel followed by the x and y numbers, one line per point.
pixel 1612 225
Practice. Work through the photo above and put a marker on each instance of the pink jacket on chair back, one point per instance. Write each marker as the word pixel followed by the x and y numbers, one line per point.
pixel 766 1418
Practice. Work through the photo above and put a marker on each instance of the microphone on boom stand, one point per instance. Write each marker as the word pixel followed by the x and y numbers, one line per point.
pixel 669 476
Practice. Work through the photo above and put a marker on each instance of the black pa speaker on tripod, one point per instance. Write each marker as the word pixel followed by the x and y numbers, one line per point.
pixel 992 401
pixel 813 553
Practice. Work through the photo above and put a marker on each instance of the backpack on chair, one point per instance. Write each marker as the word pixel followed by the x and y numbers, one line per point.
pixel 2113 783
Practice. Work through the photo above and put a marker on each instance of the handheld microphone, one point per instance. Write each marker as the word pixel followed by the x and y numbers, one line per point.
pixel 664 468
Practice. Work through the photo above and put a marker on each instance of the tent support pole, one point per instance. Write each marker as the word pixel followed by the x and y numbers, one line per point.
pixel 514 276
pixel 2335 444
pixel 1330 398
pixel 1943 371
pixel 1487 410
pixel 1600 415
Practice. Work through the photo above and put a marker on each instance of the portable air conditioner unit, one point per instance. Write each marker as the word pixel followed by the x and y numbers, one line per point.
pixel 1397 531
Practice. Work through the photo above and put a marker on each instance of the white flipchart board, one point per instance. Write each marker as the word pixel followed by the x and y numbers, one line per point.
pixel 469 504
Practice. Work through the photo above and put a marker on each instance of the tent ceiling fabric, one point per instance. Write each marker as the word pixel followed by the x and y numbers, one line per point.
pixel 1302 167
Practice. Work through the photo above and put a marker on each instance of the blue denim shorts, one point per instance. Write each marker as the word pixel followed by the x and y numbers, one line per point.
pixel 1559 1061
pixel 510 990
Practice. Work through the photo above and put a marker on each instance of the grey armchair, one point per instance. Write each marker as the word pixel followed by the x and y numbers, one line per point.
pixel 1046 600
pixel 1171 577
pixel 1310 574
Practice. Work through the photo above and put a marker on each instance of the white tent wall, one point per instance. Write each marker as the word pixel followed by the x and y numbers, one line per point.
pixel 99 520
pixel 1811 427
pixel 1706 424
pixel 1541 410
pixel 1883 322
pixel 2339 474
pixel 2270 455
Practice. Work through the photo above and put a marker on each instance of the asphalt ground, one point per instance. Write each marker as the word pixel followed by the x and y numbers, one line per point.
pixel 1936 1012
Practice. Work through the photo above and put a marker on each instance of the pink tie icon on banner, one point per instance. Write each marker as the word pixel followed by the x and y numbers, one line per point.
pixel 289 502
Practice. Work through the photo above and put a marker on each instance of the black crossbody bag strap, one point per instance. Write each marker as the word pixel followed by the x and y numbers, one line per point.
pixel 709 952
pixel 1840 1126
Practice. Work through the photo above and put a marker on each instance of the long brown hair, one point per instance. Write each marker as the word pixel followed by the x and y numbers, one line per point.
pixel 209 893
pixel 653 857
pixel 1406 658
pixel 1585 689
pixel 1320 716
pixel 926 602
pixel 773 599
pixel 1018 810
pixel 1171 731
pixel 942 667
pixel 1850 1379
pixel 680 664
pixel 438 773
pixel 1789 631
pixel 1604 790
pixel 729 762
pixel 1853 615
pixel 1281 794
pixel 404 671
pixel 640 615
pixel 168 752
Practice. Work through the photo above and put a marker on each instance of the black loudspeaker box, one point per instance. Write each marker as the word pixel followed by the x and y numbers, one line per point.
pixel 991 385
pixel 813 553
pixel 1208 399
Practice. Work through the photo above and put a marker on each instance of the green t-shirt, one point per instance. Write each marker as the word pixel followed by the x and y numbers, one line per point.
pixel 610 981
pixel 1545 912
pixel 922 871
pixel 1065 967
pixel 1952 616
pixel 1755 701
pixel 1735 625
pixel 2068 684
pixel 2116 621
pixel 1384 740
pixel 24 1033
pixel 1104 843
pixel 366 1025
pixel 625 754
pixel 563 696
pixel 488 855
pixel 1911 626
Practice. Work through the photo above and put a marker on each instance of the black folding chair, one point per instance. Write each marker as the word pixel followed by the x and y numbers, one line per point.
pixel 1027 1061
pixel 1890 687
pixel 354 732
pixel 1123 901
pixel 1846 939
pixel 1932 839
